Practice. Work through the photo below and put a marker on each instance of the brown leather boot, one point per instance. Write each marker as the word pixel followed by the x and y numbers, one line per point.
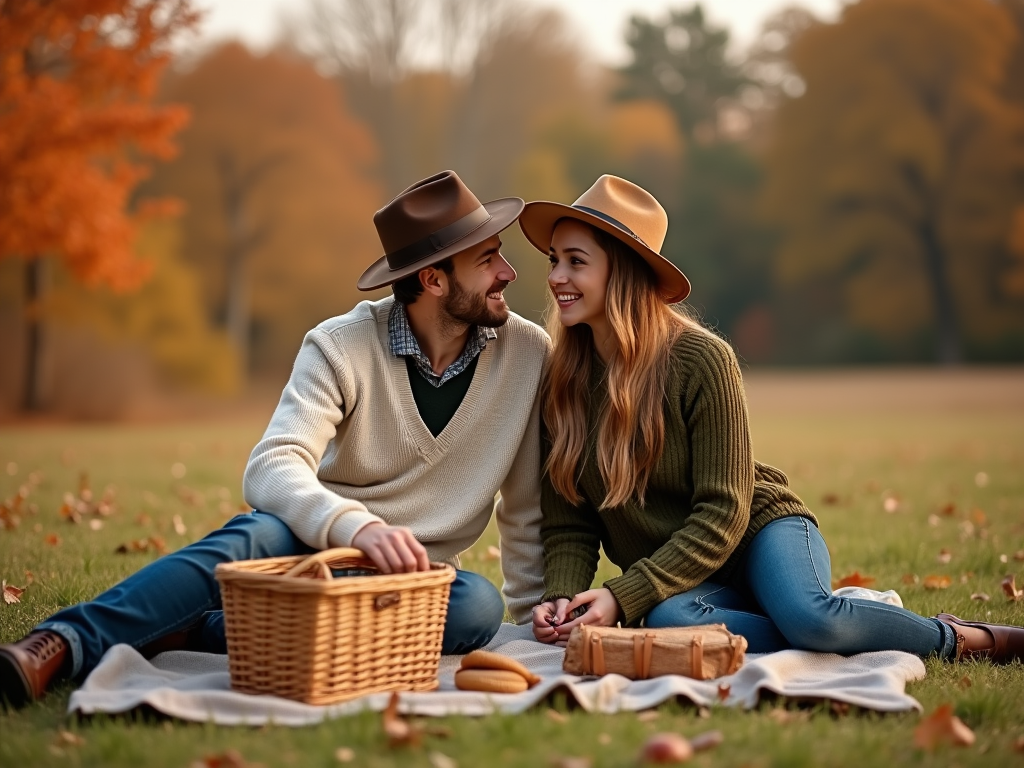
pixel 28 666
pixel 1007 641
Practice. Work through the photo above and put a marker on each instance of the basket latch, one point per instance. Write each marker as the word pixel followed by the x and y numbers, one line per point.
pixel 380 602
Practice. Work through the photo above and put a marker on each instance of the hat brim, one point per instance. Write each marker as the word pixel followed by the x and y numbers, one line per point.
pixel 538 221
pixel 503 212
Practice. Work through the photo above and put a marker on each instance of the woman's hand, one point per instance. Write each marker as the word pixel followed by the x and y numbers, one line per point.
pixel 602 611
pixel 546 617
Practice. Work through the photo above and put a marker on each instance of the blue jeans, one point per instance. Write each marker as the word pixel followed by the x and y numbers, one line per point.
pixel 179 590
pixel 781 598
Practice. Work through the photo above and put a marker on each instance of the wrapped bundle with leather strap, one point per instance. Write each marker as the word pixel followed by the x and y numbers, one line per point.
pixel 703 652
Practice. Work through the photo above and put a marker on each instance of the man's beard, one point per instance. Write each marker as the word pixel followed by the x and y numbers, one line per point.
pixel 469 308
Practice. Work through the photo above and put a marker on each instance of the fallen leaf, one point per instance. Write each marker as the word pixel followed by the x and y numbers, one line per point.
pixel 95 524
pixel 1019 554
pixel 1018 745
pixel 853 580
pixel 441 760
pixel 648 716
pixel 1004 559
pixel 785 716
pixel 933 520
pixel 839 708
pixel 890 502
pixel 29 577
pixel 910 578
pixel 978 517
pixel 965 682
pixel 52 539
pixel 948 509
pixel 723 691
pixel 572 762
pixel 493 553
pixel 67 738
pixel 344 754
pixel 944 556
pixel 179 525
pixel 228 759
pixel 555 716
pixel 942 727
pixel 399 732
pixel 830 499
pixel 1009 585
pixel 982 597
pixel 932 581
pixel 706 740
pixel 704 713
pixel 143 519
pixel 665 749
pixel 12 594
pixel 981 479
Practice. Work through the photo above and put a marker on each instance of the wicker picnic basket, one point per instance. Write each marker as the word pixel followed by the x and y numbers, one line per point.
pixel 293 630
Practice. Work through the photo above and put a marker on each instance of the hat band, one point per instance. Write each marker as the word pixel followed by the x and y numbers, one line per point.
pixel 611 220
pixel 439 240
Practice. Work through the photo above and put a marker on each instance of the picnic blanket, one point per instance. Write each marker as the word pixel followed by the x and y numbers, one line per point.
pixel 196 686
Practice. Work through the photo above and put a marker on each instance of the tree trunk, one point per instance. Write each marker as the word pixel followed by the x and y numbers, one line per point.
pixel 947 332
pixel 35 289
pixel 237 309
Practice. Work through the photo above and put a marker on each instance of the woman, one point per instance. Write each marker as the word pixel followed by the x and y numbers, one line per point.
pixel 648 454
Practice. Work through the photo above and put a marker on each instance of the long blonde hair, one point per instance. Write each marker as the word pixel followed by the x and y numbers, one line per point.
pixel 631 431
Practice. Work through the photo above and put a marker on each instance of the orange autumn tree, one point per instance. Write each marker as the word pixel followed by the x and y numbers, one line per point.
pixel 76 124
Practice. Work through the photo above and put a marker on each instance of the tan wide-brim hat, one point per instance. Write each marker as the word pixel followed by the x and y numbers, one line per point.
pixel 626 212
pixel 430 221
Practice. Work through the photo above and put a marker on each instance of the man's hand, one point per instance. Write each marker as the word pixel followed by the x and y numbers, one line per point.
pixel 392 549
pixel 602 611
pixel 546 617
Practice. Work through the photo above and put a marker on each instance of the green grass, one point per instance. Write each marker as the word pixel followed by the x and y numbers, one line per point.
pixel 843 466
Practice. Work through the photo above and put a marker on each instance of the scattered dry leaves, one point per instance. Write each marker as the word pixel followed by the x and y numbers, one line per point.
pixel 911 578
pixel 853 580
pixel 51 539
pixel 1009 585
pixel 944 556
pixel 978 517
pixel 830 499
pixel 556 717
pixel 948 509
pixel 933 581
pixel 981 597
pixel 179 525
pixel 965 682
pixel 648 716
pixel 1018 555
pixel 942 727
pixel 11 593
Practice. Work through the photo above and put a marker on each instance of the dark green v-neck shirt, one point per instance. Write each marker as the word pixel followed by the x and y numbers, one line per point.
pixel 437 405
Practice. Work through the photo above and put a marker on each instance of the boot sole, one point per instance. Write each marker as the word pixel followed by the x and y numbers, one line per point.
pixel 15 690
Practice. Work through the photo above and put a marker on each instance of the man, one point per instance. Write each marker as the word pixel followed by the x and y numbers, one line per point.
pixel 401 421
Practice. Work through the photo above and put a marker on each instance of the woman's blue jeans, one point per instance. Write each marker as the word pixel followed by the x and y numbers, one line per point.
pixel 179 590
pixel 781 598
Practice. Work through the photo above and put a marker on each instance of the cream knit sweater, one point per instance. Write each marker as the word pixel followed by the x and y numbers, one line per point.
pixel 346 447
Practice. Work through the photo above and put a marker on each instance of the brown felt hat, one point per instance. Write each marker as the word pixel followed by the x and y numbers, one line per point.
pixel 430 221
pixel 626 212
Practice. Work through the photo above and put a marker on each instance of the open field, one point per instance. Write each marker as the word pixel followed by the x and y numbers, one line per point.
pixel 899 466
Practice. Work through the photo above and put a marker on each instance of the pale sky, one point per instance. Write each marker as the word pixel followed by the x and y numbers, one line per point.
pixel 255 21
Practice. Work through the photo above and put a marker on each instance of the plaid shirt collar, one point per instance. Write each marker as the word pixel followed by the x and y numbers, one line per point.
pixel 404 343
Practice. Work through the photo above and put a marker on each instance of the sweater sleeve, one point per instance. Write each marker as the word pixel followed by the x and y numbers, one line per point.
pixel 572 540
pixel 518 516
pixel 722 468
pixel 281 476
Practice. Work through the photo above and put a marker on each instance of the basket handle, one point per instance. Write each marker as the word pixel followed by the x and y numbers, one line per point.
pixel 323 557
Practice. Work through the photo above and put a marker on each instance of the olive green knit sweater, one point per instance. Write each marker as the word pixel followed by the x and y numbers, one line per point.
pixel 706 498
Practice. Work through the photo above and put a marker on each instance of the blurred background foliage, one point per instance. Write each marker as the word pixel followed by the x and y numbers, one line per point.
pixel 839 193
